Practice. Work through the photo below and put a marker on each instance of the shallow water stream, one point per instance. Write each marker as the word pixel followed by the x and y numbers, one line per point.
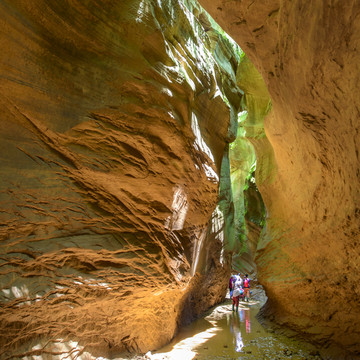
pixel 224 334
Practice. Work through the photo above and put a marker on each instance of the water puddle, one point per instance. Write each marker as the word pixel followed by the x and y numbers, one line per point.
pixel 224 334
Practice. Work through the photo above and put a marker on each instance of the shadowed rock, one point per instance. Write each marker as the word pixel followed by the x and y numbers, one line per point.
pixel 308 55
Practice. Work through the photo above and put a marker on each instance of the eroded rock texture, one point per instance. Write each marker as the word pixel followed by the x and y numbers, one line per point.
pixel 113 133
pixel 308 260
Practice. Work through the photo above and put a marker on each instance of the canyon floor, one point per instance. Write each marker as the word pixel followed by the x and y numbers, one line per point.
pixel 224 334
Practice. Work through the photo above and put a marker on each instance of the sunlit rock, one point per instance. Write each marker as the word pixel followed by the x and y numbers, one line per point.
pixel 116 117
pixel 251 150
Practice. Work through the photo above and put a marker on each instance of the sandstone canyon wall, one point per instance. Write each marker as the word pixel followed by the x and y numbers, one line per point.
pixel 251 150
pixel 308 258
pixel 115 124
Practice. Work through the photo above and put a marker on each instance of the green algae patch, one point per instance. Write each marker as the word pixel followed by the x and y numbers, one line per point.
pixel 249 163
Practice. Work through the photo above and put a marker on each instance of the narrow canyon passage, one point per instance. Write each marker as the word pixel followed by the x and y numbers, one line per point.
pixel 151 148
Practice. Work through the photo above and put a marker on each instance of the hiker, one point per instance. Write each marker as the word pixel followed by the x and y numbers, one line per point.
pixel 246 283
pixel 240 278
pixel 236 294
pixel 231 285
pixel 241 297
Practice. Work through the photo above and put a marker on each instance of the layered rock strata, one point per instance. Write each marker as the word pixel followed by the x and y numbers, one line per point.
pixel 308 54
pixel 115 119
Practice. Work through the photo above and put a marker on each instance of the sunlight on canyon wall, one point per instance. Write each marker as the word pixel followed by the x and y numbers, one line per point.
pixel 116 118
pixel 249 152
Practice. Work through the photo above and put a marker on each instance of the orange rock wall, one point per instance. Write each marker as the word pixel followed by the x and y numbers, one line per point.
pixel 113 130
pixel 308 260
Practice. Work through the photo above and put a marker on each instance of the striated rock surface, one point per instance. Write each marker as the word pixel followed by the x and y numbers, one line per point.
pixel 115 120
pixel 308 54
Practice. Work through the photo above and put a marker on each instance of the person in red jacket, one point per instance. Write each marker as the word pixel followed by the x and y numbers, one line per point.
pixel 246 285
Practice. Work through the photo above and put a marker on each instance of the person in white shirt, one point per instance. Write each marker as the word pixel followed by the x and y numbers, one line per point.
pixel 236 294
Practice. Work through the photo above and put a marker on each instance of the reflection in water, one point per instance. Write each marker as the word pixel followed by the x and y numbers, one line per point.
pixel 243 316
pixel 236 331
pixel 247 321
pixel 231 335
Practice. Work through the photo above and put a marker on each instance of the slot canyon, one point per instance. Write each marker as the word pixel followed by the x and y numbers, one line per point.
pixel 149 148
